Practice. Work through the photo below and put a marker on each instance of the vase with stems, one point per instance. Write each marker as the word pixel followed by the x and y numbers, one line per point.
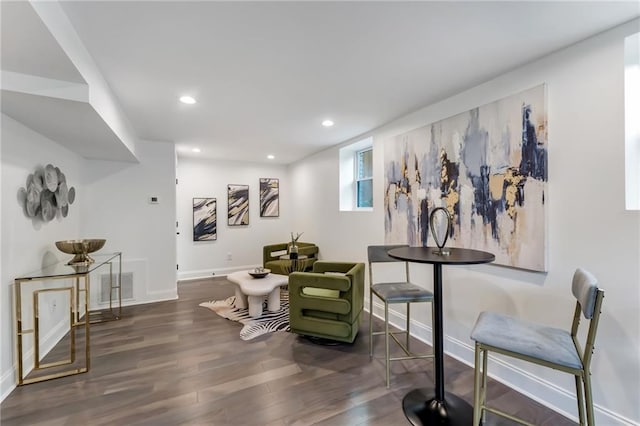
pixel 293 246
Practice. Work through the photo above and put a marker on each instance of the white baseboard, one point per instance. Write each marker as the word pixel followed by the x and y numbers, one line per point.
pixel 209 273
pixel 418 330
pixel 159 296
pixel 150 297
pixel 546 393
pixel 7 383
pixel 8 379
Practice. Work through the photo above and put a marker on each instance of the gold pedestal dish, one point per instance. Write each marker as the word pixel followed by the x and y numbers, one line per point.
pixel 81 249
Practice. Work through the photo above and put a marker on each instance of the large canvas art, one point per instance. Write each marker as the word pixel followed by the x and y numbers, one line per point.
pixel 205 219
pixel 488 167
pixel 269 197
pixel 238 205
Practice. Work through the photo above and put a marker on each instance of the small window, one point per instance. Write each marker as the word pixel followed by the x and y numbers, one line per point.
pixel 364 178
pixel 356 176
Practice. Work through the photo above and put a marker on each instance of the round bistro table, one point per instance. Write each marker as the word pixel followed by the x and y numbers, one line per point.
pixel 435 406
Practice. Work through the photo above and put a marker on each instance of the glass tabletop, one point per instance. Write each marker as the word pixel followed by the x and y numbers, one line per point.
pixel 288 257
pixel 61 269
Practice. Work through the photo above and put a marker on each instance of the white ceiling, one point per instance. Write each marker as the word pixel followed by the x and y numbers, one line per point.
pixel 267 73
pixel 29 48
pixel 45 91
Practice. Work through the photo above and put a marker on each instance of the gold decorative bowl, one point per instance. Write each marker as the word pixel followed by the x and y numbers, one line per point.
pixel 81 249
pixel 259 272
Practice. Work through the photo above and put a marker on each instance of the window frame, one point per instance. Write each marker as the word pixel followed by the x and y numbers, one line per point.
pixel 358 179
pixel 632 126
pixel 347 184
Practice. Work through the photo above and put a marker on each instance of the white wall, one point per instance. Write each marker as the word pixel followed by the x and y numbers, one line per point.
pixel 27 245
pixel 209 179
pixel 111 203
pixel 117 208
pixel 588 225
pixel 341 235
pixel 3 307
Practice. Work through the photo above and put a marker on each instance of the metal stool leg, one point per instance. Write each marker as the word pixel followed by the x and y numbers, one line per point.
pixel 407 327
pixel 476 388
pixel 580 398
pixel 483 395
pixel 370 324
pixel 588 399
pixel 386 341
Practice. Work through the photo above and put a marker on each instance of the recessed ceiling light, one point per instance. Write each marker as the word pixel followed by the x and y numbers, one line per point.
pixel 196 150
pixel 327 123
pixel 187 100
pixel 271 156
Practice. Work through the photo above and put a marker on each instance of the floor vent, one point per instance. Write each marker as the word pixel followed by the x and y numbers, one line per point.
pixel 127 287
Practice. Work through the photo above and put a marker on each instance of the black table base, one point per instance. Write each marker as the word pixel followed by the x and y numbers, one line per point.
pixel 421 407
pixel 437 407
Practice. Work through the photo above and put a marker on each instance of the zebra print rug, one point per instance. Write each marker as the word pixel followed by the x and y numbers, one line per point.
pixel 253 327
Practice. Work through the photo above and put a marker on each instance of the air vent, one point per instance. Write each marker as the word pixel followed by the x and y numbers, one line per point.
pixel 126 287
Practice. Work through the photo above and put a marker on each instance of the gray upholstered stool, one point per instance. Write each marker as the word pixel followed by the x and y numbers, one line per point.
pixel 391 293
pixel 548 346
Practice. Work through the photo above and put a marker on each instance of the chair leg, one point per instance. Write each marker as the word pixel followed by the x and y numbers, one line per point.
pixel 408 328
pixel 591 421
pixel 580 400
pixel 483 395
pixel 370 324
pixel 386 341
pixel 476 388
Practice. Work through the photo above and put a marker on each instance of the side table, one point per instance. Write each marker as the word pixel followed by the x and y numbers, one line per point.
pixel 299 264
pixel 251 291
pixel 79 314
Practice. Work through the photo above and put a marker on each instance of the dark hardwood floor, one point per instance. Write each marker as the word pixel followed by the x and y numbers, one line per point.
pixel 175 363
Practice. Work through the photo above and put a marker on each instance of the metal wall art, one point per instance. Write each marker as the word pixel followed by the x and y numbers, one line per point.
pixel 269 197
pixel 205 219
pixel 238 205
pixel 47 194
pixel 440 224
pixel 488 167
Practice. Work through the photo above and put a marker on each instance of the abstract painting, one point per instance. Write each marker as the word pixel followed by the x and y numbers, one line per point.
pixel 488 167
pixel 269 197
pixel 238 202
pixel 205 219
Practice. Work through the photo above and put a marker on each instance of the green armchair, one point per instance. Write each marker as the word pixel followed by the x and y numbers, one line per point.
pixel 327 302
pixel 271 257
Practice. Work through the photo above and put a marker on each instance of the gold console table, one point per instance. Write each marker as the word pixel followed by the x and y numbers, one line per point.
pixel 80 316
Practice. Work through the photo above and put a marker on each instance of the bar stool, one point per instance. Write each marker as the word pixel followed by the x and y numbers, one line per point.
pixel 393 292
pixel 543 345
